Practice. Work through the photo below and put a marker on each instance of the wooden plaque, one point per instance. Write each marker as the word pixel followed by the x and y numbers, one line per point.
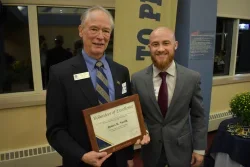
pixel 115 125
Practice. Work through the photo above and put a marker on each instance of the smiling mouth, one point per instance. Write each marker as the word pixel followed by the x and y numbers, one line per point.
pixel 161 55
pixel 98 44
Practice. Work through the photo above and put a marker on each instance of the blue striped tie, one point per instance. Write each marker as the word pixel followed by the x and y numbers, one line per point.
pixel 101 84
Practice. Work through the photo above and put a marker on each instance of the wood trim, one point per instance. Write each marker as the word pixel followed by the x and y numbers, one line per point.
pixel 22 99
pixel 34 48
pixel 239 78
pixel 234 45
pixel 79 3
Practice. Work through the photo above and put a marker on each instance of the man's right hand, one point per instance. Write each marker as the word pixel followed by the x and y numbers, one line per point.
pixel 145 140
pixel 94 158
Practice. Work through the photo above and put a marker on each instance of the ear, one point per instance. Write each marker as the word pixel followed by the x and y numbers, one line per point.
pixel 176 45
pixel 80 30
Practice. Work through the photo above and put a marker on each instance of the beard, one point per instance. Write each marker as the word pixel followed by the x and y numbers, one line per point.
pixel 162 65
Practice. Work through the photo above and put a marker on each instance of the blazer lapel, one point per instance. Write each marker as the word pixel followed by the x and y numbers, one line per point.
pixel 86 86
pixel 177 90
pixel 150 90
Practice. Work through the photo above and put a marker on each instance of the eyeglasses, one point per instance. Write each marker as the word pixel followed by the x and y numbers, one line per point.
pixel 96 31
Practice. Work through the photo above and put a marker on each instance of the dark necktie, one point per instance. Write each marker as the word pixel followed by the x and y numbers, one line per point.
pixel 101 84
pixel 163 94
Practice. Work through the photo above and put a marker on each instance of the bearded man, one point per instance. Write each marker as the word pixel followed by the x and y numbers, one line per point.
pixel 172 106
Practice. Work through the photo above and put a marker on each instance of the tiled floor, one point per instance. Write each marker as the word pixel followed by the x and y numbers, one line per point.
pixel 137 159
pixel 210 138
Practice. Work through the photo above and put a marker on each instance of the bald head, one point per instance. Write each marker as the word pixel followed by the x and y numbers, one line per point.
pixel 161 30
pixel 162 46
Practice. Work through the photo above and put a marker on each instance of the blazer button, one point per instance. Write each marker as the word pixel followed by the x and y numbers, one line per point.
pixel 160 141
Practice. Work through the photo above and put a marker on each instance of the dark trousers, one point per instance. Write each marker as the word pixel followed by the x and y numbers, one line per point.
pixel 110 162
pixel 162 162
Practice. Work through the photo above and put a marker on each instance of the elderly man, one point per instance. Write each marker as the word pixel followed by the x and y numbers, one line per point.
pixel 75 85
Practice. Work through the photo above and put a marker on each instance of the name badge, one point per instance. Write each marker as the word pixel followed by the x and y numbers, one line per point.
pixel 80 76
pixel 124 88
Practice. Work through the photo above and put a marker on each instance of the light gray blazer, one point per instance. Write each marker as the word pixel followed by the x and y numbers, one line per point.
pixel 183 129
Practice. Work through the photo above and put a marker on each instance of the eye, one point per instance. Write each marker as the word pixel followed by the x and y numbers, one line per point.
pixel 154 44
pixel 94 29
pixel 166 43
pixel 106 31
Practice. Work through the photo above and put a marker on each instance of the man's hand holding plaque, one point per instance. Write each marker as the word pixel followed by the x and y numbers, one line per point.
pixel 95 158
pixel 145 140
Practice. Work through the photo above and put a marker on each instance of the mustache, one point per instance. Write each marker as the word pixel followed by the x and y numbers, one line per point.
pixel 162 65
pixel 161 53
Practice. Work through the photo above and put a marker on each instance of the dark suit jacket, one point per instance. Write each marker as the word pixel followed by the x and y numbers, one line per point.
pixel 66 98
pixel 184 127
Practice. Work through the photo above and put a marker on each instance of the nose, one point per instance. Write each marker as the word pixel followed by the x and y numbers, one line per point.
pixel 160 48
pixel 100 34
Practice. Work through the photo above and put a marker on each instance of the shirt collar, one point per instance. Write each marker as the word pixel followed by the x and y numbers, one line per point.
pixel 171 70
pixel 91 61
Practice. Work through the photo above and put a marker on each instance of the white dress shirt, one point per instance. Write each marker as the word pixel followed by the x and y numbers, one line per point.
pixel 171 82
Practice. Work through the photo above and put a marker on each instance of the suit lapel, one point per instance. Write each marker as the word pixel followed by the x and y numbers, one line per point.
pixel 150 90
pixel 177 90
pixel 86 86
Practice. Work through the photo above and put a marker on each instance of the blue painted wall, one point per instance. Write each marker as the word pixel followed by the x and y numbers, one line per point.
pixel 192 16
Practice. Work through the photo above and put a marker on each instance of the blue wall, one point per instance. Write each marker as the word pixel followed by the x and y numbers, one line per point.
pixel 197 16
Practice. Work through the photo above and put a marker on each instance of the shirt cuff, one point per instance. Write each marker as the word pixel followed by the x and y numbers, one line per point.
pixel 201 152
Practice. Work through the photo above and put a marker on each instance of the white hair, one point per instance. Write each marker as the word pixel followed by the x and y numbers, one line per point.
pixel 86 13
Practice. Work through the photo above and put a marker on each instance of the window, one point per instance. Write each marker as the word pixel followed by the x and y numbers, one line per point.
pixel 231 51
pixel 27 31
pixel 223 44
pixel 16 68
pixel 243 52
pixel 58 36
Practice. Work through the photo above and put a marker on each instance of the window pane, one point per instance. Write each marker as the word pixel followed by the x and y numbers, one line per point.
pixel 16 69
pixel 224 32
pixel 58 36
pixel 243 57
